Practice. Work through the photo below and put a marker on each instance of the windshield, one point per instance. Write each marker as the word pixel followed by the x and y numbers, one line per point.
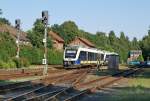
pixel 69 53
pixel 107 57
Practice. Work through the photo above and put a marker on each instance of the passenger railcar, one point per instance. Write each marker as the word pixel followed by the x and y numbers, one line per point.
pixel 77 55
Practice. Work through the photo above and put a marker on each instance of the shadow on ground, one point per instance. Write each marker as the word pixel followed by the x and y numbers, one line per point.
pixel 145 73
pixel 137 93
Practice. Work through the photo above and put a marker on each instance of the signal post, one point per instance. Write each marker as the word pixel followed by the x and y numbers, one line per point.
pixel 17 26
pixel 45 22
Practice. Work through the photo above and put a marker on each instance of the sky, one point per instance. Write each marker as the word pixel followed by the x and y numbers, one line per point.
pixel 130 16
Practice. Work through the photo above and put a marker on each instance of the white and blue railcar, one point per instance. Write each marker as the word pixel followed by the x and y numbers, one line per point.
pixel 77 55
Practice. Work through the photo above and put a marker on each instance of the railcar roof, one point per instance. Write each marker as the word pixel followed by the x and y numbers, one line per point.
pixel 91 49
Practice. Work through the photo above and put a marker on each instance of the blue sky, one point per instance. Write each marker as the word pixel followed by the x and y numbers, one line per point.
pixel 129 16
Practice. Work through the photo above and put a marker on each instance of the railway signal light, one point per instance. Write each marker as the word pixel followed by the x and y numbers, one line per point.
pixel 45 17
pixel 17 24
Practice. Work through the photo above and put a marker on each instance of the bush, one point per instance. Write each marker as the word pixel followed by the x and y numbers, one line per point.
pixel 7 47
pixel 55 57
pixel 21 62
pixel 12 64
pixel 35 55
pixel 6 65
pixel 17 62
pixel 140 58
pixel 25 62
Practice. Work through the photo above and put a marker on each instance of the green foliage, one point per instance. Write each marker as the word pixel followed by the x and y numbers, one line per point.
pixel 36 35
pixel 8 52
pixel 7 47
pixel 122 45
pixel 1 11
pixel 140 58
pixel 30 53
pixel 35 55
pixel 9 64
pixel 21 62
pixel 145 45
pixel 135 43
pixel 68 30
pixel 4 21
pixel 55 57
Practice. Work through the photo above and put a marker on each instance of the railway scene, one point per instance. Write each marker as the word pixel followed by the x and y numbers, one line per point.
pixel 89 50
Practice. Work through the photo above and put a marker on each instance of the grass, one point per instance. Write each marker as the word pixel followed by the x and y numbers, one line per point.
pixel 143 82
pixel 137 89
pixel 135 93
pixel 3 82
pixel 105 72
pixel 142 79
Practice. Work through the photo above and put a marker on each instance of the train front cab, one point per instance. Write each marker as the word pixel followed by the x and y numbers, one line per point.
pixel 70 58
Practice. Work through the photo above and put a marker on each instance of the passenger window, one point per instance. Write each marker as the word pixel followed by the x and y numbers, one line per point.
pixel 102 56
pixel 83 56
pixel 90 56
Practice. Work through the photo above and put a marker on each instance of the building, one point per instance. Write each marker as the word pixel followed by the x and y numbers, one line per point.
pixel 82 42
pixel 57 41
pixel 13 32
pixel 134 54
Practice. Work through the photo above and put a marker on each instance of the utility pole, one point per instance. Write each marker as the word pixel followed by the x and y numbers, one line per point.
pixel 17 26
pixel 45 22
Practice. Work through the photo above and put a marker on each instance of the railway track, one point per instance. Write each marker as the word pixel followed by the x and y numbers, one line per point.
pixel 40 92
pixel 66 95
pixel 27 90
pixel 20 73
pixel 73 92
pixel 74 74
pixel 14 74
pixel 48 80
pixel 107 80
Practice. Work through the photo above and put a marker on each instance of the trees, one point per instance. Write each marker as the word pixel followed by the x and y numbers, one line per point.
pixel 67 30
pixel 101 41
pixel 7 50
pixel 4 20
pixel 0 11
pixel 145 45
pixel 36 35
pixel 140 58
pixel 112 38
pixel 149 32
pixel 135 44
pixel 122 45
